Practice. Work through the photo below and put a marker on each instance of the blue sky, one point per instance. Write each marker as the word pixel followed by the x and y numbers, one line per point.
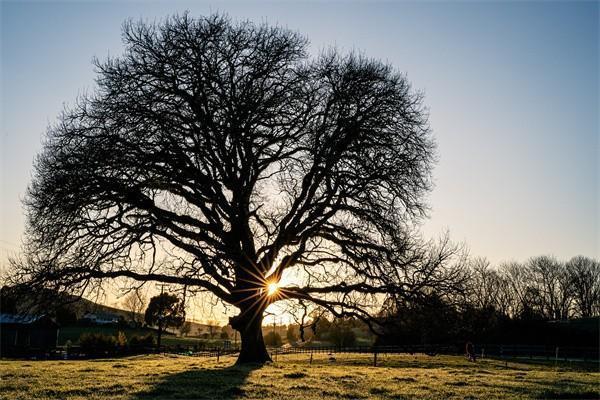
pixel 512 90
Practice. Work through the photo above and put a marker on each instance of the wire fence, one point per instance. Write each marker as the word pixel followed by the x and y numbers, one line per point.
pixel 544 352
pixel 501 351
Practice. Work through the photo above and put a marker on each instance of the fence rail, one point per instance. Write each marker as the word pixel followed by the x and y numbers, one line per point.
pixel 566 353
pixel 539 351
pixel 484 350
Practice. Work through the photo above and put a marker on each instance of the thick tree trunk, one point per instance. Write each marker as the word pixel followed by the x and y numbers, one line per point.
pixel 253 348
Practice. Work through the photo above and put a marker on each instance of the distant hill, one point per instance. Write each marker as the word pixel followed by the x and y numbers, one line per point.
pixel 47 303
pixel 83 306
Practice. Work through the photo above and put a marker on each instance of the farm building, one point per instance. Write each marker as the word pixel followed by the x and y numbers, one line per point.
pixel 101 318
pixel 21 334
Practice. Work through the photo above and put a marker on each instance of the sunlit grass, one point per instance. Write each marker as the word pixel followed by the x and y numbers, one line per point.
pixel 294 377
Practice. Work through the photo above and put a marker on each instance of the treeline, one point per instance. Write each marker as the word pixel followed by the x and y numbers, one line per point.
pixel 542 288
pixel 341 332
pixel 540 301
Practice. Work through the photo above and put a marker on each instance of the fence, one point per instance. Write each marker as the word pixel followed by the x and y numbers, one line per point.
pixel 481 350
pixel 485 350
pixel 564 353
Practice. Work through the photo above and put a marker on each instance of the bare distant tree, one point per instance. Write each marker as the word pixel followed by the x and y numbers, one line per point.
pixel 483 285
pixel 549 278
pixel 213 327
pixel 517 281
pixel 221 149
pixel 505 302
pixel 492 288
pixel 584 276
pixel 185 328
pixel 135 303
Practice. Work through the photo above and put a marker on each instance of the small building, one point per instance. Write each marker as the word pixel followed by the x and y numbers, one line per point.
pixel 101 318
pixel 23 334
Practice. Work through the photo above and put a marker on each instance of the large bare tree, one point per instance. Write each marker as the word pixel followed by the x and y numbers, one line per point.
pixel 219 156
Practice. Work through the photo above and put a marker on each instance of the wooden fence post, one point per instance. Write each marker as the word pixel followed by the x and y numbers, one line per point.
pixel 218 353
pixel 375 357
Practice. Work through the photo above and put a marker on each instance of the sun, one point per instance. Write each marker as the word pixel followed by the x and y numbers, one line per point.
pixel 272 288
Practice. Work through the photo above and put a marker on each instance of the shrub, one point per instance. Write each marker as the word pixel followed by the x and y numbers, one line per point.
pixel 121 339
pixel 273 339
pixel 96 343
pixel 142 340
pixel 290 334
pixel 342 336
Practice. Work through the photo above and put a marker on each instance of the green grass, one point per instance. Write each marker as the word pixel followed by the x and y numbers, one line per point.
pixel 292 377
pixel 73 333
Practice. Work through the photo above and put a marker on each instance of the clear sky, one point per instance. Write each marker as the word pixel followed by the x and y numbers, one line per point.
pixel 512 90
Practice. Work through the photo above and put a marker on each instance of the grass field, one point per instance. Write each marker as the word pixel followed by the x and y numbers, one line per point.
pixel 73 333
pixel 292 377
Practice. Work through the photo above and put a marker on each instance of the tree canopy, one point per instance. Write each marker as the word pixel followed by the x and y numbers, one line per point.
pixel 220 156
pixel 164 311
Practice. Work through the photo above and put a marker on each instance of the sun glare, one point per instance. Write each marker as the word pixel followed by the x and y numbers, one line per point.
pixel 272 288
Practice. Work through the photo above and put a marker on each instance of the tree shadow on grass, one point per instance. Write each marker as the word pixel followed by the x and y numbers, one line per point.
pixel 201 383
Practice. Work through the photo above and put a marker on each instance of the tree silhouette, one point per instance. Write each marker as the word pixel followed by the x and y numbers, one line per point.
pixel 135 302
pixel 218 156
pixel 584 278
pixel 164 311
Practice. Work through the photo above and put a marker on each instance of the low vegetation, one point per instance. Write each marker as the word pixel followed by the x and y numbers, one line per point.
pixel 73 335
pixel 295 377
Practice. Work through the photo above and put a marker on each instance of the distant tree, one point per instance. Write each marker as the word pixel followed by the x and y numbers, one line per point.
pixel 290 333
pixel 551 283
pixel 164 311
pixel 8 300
pixel 517 284
pixel 224 335
pixel 426 320
pixel 341 333
pixel 273 339
pixel 228 330
pixel 213 327
pixel 320 326
pixel 483 285
pixel 135 303
pixel 584 277
pixel 185 329
pixel 225 145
